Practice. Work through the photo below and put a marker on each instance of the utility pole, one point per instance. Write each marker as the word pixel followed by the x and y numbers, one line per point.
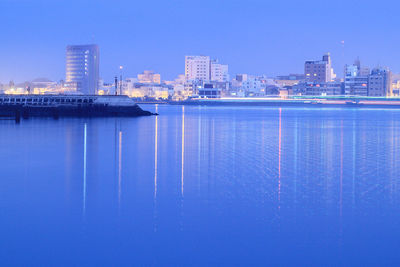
pixel 116 85
pixel 120 79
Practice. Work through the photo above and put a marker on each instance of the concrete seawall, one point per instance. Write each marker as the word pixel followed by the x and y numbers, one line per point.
pixel 25 106
pixel 312 103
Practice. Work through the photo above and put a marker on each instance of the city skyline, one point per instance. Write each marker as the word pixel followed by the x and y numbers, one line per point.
pixel 273 38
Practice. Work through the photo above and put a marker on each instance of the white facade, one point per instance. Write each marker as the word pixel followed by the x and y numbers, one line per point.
pixel 197 68
pixel 202 68
pixel 148 76
pixel 252 85
pixel 82 68
pixel 219 72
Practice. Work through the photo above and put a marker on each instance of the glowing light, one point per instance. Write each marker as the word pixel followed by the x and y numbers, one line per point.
pixel 341 167
pixel 279 157
pixel 155 154
pixel 119 166
pixel 84 168
pixel 183 146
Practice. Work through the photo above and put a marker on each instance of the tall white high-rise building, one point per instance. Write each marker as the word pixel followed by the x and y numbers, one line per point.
pixel 82 68
pixel 219 72
pixel 197 68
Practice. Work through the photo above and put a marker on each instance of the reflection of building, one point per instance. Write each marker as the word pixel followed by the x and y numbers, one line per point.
pixel 82 68
pixel 319 71
pixel 148 76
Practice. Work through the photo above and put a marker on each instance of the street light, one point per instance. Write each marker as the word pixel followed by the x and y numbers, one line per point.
pixel 120 79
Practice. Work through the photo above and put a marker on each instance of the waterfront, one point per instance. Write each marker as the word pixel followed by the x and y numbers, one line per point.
pixel 203 185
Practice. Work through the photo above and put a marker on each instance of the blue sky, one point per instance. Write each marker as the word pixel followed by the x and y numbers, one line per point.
pixel 256 37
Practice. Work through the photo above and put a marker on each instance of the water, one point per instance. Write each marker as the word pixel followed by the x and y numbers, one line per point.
pixel 203 186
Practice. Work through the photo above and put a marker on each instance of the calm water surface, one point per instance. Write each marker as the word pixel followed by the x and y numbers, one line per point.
pixel 203 186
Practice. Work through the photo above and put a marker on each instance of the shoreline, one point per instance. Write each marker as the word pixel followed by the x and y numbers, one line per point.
pixel 305 103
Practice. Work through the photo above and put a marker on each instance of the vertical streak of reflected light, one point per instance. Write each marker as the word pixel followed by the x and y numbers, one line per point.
pixel 354 161
pixel 155 155
pixel 341 168
pixel 183 147
pixel 155 170
pixel 119 167
pixel 199 150
pixel 279 160
pixel 295 159
pixel 84 167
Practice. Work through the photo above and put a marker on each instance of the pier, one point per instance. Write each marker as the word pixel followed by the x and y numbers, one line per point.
pixel 56 106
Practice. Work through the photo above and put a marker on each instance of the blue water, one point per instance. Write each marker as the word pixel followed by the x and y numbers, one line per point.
pixel 206 186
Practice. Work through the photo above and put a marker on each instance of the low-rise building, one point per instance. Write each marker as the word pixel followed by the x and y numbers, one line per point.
pixel 148 76
pixel 318 89
pixel 209 91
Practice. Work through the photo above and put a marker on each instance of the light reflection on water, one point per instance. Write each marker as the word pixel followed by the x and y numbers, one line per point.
pixel 204 186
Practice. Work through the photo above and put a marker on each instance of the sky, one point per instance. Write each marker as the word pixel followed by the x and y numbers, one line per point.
pixel 253 36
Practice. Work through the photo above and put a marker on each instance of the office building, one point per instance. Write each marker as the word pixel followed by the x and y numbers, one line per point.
pixel 219 72
pixel 209 91
pixel 197 68
pixel 82 68
pixel 319 71
pixel 380 82
pixel 318 89
pixel 204 69
pixel 356 79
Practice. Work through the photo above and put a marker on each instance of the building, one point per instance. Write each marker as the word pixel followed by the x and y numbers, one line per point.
pixel 319 71
pixel 291 77
pixel 203 69
pixel 241 77
pixel 253 86
pixel 356 79
pixel 209 91
pixel 380 82
pixel 219 72
pixel 148 76
pixel 197 68
pixel 318 89
pixel 396 88
pixel 82 68
pixel 289 80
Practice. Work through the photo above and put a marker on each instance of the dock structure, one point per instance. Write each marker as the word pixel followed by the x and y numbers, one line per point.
pixel 56 106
